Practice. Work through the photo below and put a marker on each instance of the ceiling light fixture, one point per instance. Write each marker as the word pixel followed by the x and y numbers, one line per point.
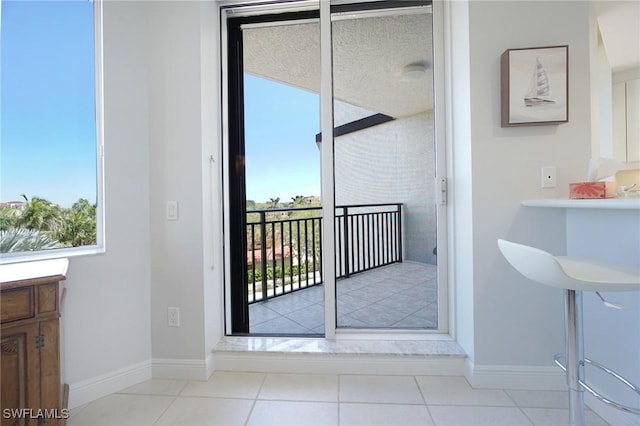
pixel 414 71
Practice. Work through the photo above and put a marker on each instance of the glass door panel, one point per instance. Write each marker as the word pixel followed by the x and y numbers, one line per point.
pixel 274 161
pixel 384 169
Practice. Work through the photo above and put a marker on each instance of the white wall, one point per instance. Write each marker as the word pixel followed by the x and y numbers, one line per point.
pixel 161 128
pixel 183 117
pixel 174 111
pixel 105 316
pixel 514 322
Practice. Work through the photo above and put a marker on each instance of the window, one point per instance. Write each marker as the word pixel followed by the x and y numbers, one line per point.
pixel 51 164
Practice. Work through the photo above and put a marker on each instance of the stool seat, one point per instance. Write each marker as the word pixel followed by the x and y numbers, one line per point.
pixel 569 273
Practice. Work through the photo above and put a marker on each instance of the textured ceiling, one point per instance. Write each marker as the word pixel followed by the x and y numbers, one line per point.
pixel 368 57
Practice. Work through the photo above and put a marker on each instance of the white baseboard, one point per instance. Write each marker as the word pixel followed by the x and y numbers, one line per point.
pixel 89 390
pixel 514 377
pixel 182 369
pixel 339 363
pixel 211 365
pixel 179 369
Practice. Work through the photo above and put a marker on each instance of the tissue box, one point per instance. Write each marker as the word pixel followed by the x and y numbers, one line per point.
pixel 592 190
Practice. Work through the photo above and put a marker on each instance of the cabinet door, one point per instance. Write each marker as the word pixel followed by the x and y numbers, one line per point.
pixel 19 361
pixel 49 368
pixel 633 120
pixel 620 121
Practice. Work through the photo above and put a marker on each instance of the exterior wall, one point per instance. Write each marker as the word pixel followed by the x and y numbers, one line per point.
pixel 393 163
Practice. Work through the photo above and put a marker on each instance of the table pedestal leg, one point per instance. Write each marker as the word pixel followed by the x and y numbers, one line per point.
pixel 575 355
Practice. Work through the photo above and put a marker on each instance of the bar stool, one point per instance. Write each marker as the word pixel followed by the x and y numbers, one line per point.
pixel 574 276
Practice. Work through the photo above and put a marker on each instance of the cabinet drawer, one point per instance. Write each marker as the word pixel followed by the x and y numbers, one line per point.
pixel 17 304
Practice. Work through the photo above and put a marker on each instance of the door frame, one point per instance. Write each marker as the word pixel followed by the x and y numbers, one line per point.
pixel 234 209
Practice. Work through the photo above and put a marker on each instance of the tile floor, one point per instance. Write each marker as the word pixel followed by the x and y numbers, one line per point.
pixel 243 398
pixel 401 295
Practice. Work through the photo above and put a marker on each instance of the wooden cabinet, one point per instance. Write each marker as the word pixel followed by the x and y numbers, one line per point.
pixel 30 342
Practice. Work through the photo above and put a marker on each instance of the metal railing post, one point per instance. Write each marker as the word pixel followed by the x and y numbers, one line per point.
pixel 346 241
pixel 399 231
pixel 263 252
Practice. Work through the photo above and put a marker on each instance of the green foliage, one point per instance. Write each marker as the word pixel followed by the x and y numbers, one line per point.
pixel 277 273
pixel 44 225
pixel 8 218
pixel 78 229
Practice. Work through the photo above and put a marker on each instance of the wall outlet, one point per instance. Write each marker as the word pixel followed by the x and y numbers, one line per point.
pixel 548 177
pixel 173 317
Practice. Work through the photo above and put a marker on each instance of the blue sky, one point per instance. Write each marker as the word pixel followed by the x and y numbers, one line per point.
pixel 282 158
pixel 48 144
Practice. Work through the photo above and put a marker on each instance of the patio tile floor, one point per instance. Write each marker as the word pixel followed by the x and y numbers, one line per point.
pixel 401 295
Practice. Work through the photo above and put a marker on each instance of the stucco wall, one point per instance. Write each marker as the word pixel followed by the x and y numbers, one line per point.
pixel 393 163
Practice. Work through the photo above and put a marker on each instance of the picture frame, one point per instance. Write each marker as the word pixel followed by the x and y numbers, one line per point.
pixel 535 86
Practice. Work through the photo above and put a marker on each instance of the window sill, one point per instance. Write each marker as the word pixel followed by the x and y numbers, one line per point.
pixel 23 257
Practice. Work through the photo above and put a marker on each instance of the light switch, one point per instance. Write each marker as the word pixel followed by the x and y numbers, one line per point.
pixel 172 210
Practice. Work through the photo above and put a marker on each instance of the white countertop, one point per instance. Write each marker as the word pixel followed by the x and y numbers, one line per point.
pixel 608 203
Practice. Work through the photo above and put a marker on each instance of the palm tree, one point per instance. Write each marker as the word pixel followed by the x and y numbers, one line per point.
pixel 78 229
pixel 40 214
pixel 83 206
pixel 273 202
pixel 78 225
pixel 297 200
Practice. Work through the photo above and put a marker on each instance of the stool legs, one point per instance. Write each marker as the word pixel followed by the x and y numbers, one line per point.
pixel 575 355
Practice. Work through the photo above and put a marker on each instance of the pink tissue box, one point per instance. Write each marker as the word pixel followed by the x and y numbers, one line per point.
pixel 593 190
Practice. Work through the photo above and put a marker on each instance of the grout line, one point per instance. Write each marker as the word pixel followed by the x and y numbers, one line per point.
pixel 526 416
pixel 255 399
pixel 433 421
pixel 165 410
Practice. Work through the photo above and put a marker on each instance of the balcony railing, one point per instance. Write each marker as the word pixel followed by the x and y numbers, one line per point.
pixel 284 250
pixel 367 236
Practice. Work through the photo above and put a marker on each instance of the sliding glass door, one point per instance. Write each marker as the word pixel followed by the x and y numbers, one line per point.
pixel 384 166
pixel 330 163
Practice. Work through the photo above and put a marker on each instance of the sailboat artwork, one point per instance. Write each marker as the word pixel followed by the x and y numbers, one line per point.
pixel 538 93
pixel 534 86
